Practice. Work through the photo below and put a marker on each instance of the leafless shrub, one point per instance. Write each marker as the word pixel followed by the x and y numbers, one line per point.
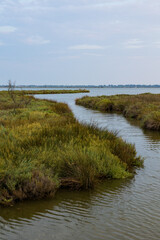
pixel 19 99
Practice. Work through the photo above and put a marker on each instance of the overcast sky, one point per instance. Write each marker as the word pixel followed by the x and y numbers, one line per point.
pixel 80 41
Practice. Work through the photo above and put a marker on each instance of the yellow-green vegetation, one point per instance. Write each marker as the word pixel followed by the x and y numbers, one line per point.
pixel 143 107
pixel 61 91
pixel 43 148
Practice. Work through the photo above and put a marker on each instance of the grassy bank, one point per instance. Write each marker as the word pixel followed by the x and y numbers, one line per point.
pixel 61 91
pixel 43 148
pixel 143 107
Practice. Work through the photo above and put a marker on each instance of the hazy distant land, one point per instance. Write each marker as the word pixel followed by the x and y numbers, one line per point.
pixel 85 86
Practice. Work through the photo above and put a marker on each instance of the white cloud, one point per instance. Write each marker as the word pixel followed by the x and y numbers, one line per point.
pixel 134 43
pixel 101 5
pixel 27 1
pixel 93 54
pixel 7 29
pixel 1 43
pixel 36 40
pixel 68 5
pixel 86 47
pixel 68 57
pixel 156 44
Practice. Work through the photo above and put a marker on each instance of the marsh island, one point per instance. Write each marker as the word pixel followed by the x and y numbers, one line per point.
pixel 44 148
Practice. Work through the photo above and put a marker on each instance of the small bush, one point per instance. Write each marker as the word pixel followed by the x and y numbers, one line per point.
pixel 152 121
pixel 105 105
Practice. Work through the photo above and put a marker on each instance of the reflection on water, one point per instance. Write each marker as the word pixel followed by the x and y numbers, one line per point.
pixel 68 209
pixel 116 209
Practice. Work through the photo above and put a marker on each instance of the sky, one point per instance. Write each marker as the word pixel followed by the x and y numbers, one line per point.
pixel 84 42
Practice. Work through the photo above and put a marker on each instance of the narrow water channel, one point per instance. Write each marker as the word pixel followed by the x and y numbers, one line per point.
pixel 116 209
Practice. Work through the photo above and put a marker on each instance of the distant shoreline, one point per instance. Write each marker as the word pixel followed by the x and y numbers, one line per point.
pixel 83 86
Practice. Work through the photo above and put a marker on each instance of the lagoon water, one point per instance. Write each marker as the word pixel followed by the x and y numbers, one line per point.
pixel 116 209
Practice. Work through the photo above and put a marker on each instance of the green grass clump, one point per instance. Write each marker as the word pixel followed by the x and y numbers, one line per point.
pixel 152 120
pixel 143 107
pixel 43 147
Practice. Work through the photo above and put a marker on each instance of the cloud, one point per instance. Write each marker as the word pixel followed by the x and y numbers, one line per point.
pixel 68 57
pixel 1 43
pixel 28 1
pixel 64 5
pixel 93 54
pixel 86 47
pixel 7 29
pixel 156 44
pixel 134 43
pixel 36 40
pixel 100 5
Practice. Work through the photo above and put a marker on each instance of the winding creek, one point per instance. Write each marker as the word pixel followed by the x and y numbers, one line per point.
pixel 116 209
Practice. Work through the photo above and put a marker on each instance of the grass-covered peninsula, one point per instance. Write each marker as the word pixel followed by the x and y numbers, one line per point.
pixel 43 148
pixel 61 91
pixel 143 107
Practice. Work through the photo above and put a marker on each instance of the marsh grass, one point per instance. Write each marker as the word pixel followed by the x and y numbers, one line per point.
pixel 143 107
pixel 32 92
pixel 43 148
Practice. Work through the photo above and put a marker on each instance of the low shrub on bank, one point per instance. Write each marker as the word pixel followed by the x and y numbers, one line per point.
pixel 43 147
pixel 152 120
pixel 143 107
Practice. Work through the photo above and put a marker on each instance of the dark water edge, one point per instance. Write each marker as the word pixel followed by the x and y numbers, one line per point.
pixel 115 209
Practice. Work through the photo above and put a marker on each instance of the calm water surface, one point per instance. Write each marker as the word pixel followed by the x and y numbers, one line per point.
pixel 116 209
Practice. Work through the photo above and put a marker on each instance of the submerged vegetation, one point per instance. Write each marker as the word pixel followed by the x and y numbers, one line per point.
pixel 43 148
pixel 143 107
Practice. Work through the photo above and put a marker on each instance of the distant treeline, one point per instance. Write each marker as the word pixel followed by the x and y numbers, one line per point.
pixel 85 86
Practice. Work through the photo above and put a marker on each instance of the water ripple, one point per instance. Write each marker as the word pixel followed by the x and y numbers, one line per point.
pixel 116 209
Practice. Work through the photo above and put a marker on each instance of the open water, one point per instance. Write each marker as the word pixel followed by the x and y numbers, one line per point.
pixel 116 209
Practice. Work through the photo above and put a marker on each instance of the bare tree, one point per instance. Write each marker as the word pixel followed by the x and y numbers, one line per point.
pixel 19 99
pixel 12 94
